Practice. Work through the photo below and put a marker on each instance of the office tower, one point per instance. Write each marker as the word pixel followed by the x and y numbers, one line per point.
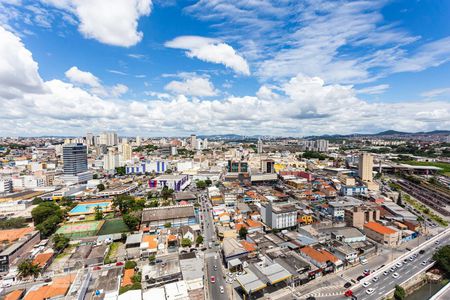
pixel 138 141
pixel 205 144
pixel 365 168
pixel 259 148
pixel 193 141
pixel 75 159
pixel 124 140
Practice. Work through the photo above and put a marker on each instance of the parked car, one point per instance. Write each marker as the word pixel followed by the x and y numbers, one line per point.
pixel 347 285
pixel 213 279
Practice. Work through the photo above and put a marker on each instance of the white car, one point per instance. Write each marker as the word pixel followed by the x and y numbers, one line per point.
pixel 398 265
pixel 370 291
pixel 366 284
pixel 386 272
pixel 395 275
pixel 221 290
pixel 424 263
pixel 375 279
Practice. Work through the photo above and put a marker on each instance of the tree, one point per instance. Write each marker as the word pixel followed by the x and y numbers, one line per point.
pixel 98 213
pixel 49 226
pixel 186 243
pixel 152 258
pixel 200 184
pixel 153 203
pixel 124 203
pixel 442 259
pixel 11 223
pixel 199 240
pixel 131 221
pixel 399 293
pixel 130 264
pixel 27 268
pixel 100 187
pixel 37 200
pixel 45 210
pixel 121 171
pixel 399 199
pixel 208 182
pixel 168 225
pixel 95 176
pixel 166 193
pixel 60 242
pixel 243 232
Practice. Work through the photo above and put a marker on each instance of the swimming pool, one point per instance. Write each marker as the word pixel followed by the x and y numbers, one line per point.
pixel 88 207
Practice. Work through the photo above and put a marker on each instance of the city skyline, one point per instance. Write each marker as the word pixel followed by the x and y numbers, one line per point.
pixel 171 68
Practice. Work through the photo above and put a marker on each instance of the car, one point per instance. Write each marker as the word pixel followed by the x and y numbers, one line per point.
pixel 422 251
pixel 386 273
pixel 393 269
pixel 411 258
pixel 370 291
pixel 437 242
pixel 360 277
pixel 405 261
pixel 215 268
pixel 96 268
pixel 213 279
pixel 119 263
pixel 348 293
pixel 415 255
pixel 395 275
pixel 424 263
pixel 375 279
pixel 230 274
pixel 366 283
pixel 347 285
pixel 398 265
pixel 7 285
pixel 221 290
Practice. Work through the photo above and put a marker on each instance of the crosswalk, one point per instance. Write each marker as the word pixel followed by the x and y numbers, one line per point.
pixel 327 291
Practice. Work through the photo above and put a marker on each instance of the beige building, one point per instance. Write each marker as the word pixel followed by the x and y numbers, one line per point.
pixel 381 234
pixel 365 168
pixel 358 216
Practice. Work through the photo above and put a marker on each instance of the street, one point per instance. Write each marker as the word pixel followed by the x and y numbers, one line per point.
pixel 212 255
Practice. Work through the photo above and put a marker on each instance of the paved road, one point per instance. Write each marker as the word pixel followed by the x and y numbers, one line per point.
pixel 386 283
pixel 212 256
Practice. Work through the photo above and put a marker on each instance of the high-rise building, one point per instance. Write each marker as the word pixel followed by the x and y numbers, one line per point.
pixel 138 140
pixel 109 138
pixel 321 146
pixel 365 167
pixel 259 146
pixel 90 139
pixel 205 143
pixel 193 141
pixel 126 151
pixel 75 159
pixel 111 160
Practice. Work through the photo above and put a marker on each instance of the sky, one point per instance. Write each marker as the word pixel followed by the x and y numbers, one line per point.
pixel 253 67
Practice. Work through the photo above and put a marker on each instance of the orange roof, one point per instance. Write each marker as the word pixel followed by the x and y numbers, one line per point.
pixel 252 223
pixel 224 214
pixel 42 258
pixel 377 227
pixel 127 274
pixel 152 241
pixel 250 247
pixel 11 235
pixel 58 287
pixel 172 238
pixel 239 226
pixel 321 256
pixel 14 295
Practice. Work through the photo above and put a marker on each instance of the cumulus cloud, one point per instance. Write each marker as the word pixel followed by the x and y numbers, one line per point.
pixel 77 76
pixel 301 105
pixel 18 71
pixel 192 86
pixel 112 22
pixel 211 50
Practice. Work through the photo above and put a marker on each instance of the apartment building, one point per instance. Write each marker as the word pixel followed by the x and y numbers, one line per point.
pixel 381 234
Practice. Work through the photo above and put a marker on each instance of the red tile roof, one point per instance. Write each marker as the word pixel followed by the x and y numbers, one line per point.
pixel 377 227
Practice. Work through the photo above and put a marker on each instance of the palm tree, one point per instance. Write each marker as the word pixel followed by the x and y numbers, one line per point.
pixel 27 268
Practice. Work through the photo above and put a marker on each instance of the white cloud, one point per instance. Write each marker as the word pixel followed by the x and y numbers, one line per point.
pixel 192 86
pixel 77 76
pixel 18 71
pixel 373 90
pixel 436 93
pixel 211 50
pixel 302 105
pixel 118 90
pixel 112 22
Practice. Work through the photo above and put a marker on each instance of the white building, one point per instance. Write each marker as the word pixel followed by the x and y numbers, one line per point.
pixel 279 216
pixel 6 186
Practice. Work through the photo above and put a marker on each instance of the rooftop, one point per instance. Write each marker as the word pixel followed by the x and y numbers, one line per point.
pixel 377 227
pixel 167 212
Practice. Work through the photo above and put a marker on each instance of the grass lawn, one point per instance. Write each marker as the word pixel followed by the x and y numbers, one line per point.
pixel 112 252
pixel 113 226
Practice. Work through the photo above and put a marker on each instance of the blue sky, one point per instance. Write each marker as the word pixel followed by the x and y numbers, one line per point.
pixel 216 66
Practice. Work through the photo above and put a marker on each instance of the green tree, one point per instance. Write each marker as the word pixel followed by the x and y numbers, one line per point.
pixel 98 213
pixel 200 184
pixel 49 226
pixel 130 264
pixel 152 258
pixel 208 182
pixel 11 223
pixel 121 171
pixel 199 240
pixel 44 210
pixel 100 187
pixel 27 268
pixel 131 221
pixel 399 293
pixel 243 232
pixel 37 200
pixel 95 176
pixel 153 203
pixel 166 193
pixel 442 259
pixel 60 242
pixel 124 203
pixel 168 225
pixel 186 243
